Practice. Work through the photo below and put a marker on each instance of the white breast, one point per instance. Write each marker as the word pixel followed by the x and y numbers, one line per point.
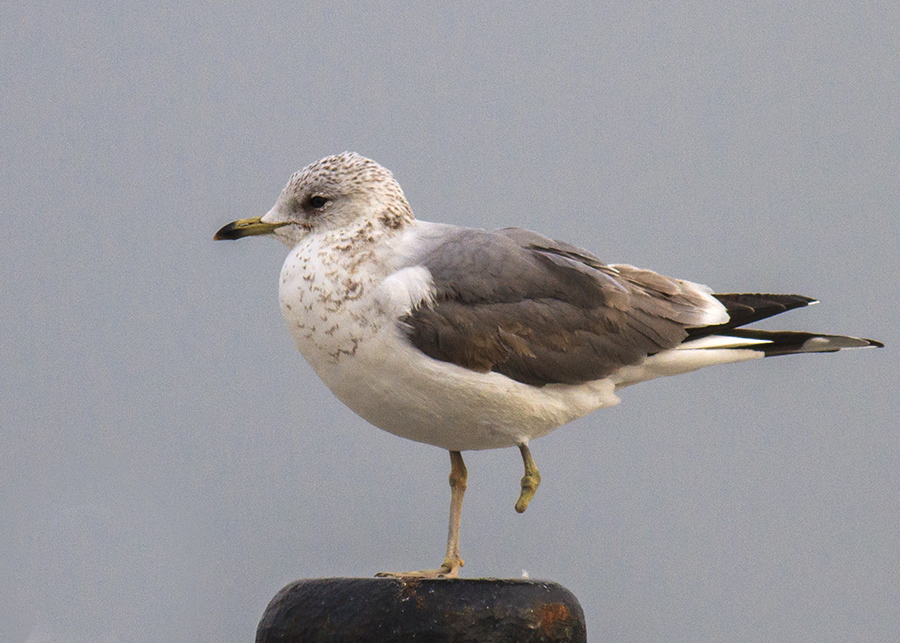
pixel 333 301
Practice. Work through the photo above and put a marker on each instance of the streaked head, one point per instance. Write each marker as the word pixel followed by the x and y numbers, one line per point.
pixel 336 192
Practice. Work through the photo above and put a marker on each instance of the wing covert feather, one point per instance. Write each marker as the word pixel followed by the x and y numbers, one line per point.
pixel 543 312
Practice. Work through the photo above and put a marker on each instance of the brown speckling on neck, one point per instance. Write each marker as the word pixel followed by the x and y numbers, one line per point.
pixel 395 218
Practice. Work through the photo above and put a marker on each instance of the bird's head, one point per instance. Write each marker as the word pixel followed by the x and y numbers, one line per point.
pixel 342 191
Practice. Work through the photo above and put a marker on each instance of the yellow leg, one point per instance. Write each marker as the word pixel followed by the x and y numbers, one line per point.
pixel 452 562
pixel 530 480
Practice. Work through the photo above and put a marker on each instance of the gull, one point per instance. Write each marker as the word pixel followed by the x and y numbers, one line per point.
pixel 471 339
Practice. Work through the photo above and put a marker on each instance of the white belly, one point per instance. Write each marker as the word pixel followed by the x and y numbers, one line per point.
pixel 399 389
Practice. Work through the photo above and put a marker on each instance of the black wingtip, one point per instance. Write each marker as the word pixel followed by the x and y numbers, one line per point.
pixel 747 308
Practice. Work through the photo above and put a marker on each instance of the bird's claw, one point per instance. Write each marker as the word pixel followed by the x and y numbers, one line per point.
pixel 530 484
pixel 448 569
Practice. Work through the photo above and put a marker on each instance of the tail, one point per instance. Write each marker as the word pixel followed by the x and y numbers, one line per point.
pixel 746 308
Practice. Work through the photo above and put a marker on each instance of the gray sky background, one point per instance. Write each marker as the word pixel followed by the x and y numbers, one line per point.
pixel 168 461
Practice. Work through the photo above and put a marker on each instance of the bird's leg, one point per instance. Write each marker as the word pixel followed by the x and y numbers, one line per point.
pixel 530 480
pixel 452 562
pixel 458 478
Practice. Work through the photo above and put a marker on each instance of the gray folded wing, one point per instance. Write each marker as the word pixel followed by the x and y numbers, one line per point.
pixel 543 312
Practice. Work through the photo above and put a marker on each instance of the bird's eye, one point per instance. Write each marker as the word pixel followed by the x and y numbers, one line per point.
pixel 317 201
